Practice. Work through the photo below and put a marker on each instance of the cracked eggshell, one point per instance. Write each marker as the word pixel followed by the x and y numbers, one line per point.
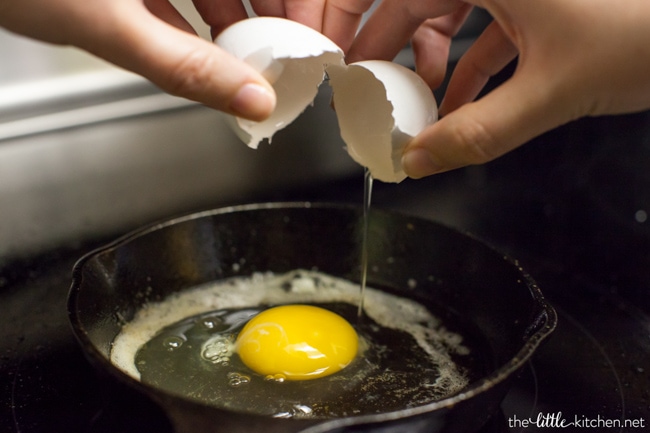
pixel 380 106
pixel 291 56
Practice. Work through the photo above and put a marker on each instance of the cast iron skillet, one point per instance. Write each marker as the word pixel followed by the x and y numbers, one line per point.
pixel 443 267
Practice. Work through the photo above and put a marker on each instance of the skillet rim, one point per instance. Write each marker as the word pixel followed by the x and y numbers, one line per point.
pixel 544 323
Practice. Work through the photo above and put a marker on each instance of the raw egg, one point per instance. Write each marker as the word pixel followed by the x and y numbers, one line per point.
pixel 215 343
pixel 380 105
pixel 297 342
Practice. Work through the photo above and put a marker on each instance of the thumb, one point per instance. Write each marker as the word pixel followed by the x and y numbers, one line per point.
pixel 478 132
pixel 181 63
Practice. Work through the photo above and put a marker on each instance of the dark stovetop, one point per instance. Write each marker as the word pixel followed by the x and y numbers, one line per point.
pixel 571 207
pixel 596 364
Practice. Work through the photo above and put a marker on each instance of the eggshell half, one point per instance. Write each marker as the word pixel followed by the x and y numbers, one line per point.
pixel 380 106
pixel 292 56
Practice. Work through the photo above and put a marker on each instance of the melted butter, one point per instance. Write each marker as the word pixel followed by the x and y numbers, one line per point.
pixel 411 357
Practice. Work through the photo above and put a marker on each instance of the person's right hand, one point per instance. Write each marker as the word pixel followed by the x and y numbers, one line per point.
pixel 576 58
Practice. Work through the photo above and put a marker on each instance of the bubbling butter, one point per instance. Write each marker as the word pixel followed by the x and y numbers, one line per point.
pixel 434 343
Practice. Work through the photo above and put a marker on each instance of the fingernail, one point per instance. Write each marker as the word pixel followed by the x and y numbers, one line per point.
pixel 418 162
pixel 253 101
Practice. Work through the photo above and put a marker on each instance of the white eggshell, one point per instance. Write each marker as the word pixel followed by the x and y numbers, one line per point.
pixel 291 56
pixel 380 106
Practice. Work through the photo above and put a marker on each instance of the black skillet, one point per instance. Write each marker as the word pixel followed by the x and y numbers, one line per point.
pixel 453 273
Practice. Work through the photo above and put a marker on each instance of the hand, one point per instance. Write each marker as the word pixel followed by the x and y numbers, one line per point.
pixel 336 19
pixel 152 39
pixel 576 58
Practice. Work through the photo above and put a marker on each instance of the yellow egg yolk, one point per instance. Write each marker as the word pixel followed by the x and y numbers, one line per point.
pixel 297 342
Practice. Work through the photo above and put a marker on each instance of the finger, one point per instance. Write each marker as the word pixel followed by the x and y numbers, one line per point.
pixel 481 131
pixel 489 54
pixel 341 20
pixel 179 63
pixel 391 26
pixel 384 34
pixel 269 8
pixel 168 13
pixel 431 43
pixel 336 19
pixel 309 13
pixel 219 15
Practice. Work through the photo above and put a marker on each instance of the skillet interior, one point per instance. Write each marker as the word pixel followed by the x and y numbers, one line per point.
pixel 441 267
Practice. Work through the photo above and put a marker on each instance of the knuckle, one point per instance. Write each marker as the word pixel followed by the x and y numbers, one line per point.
pixel 355 7
pixel 191 75
pixel 477 144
